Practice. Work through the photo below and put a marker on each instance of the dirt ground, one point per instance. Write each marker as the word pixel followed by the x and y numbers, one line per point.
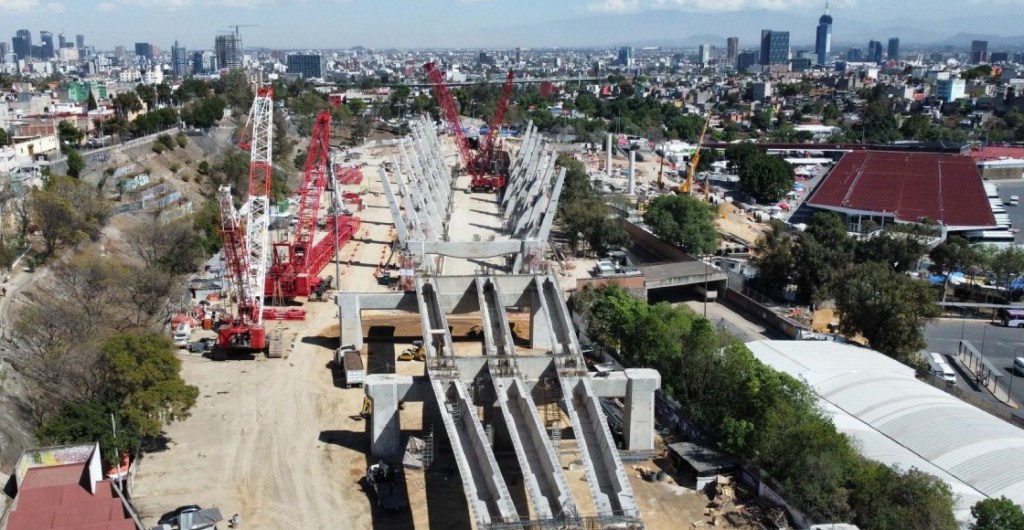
pixel 733 221
pixel 280 441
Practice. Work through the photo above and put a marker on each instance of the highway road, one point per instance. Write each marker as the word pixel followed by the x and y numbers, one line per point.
pixel 997 343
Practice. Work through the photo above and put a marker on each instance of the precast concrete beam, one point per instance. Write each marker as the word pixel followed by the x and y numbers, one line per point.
pixel 613 494
pixel 492 290
pixel 468 249
pixel 490 347
pixel 542 332
pixel 486 493
pixel 437 337
pixel 396 209
pixel 543 233
pixel 546 486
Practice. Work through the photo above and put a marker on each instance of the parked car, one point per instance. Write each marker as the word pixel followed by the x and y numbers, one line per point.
pixel 172 517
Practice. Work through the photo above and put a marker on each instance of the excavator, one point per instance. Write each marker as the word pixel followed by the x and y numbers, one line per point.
pixel 687 185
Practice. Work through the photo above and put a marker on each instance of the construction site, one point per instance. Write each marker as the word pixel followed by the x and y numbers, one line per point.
pixel 404 357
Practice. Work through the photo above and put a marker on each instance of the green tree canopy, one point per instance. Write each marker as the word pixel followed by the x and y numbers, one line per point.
pixel 775 257
pixel 767 178
pixel 888 308
pixel 70 136
pixel 75 163
pixel 824 250
pixel 143 376
pixel 684 221
pixel 997 514
pixel 89 421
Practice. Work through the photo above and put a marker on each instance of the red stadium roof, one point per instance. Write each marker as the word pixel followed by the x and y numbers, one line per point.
pixel 908 186
pixel 995 153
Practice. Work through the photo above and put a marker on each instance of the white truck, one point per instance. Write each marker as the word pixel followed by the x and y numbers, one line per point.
pixel 351 363
pixel 181 335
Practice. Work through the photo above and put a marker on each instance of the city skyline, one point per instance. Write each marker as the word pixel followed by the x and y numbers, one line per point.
pixel 491 23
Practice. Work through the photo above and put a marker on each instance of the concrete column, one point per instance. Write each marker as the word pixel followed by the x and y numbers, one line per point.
pixel 385 427
pixel 638 412
pixel 387 391
pixel 608 157
pixel 631 182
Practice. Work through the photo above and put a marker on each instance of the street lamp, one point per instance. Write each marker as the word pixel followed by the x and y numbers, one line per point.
pixel 705 286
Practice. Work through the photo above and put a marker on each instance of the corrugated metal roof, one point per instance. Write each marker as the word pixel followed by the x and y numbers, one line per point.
pixel 899 420
pixel 910 186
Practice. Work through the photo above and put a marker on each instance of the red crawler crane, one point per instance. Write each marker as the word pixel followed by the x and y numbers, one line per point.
pixel 245 244
pixel 297 263
pixel 485 176
pixel 490 145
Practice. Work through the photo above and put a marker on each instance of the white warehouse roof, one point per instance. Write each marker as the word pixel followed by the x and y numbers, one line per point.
pixel 896 419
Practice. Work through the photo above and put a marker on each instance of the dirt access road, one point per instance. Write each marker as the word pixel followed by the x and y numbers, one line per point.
pixel 254 443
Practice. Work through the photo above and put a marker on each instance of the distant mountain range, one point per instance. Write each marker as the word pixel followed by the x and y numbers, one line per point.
pixel 677 29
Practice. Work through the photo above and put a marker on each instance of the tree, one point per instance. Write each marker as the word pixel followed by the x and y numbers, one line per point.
pixel 147 94
pixel 144 377
pixel 997 514
pixel 897 250
pixel 126 103
pixel 767 178
pixel 775 257
pixel 5 139
pixel 67 211
pixel 89 421
pixel 172 248
pixel 75 163
pixel 684 221
pixel 824 251
pixel 91 103
pixel 888 308
pixel 69 135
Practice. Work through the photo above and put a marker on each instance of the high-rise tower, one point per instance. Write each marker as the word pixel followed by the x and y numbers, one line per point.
pixel 823 41
pixel 229 51
pixel 732 47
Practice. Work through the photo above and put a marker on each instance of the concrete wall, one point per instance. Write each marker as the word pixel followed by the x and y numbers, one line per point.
pixel 634 284
pixel 653 245
pixel 748 306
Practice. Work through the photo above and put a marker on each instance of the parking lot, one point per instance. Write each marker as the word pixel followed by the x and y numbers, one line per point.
pixel 996 343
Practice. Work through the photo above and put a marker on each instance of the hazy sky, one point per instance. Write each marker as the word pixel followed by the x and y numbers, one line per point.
pixel 426 23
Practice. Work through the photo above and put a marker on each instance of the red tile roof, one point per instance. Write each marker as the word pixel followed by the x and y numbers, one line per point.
pixel 995 153
pixel 55 498
pixel 910 186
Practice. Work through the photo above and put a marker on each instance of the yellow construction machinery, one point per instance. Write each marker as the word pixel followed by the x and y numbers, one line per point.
pixel 416 353
pixel 687 185
pixel 367 408
pixel 477 331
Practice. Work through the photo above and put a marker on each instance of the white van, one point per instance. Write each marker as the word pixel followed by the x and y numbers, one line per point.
pixel 1014 200
pixel 942 368
pixel 181 335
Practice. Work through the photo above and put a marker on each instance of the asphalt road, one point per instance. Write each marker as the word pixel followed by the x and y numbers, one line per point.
pixel 996 343
pixel 1016 213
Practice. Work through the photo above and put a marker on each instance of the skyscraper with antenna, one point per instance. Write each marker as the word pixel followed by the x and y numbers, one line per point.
pixel 823 42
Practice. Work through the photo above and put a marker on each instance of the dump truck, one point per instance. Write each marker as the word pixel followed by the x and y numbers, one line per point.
pixel 351 363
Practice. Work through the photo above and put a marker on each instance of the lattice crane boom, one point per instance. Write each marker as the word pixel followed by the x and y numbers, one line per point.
pixel 257 236
pixel 451 116
pixel 489 144
pixel 235 255
pixel 313 184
